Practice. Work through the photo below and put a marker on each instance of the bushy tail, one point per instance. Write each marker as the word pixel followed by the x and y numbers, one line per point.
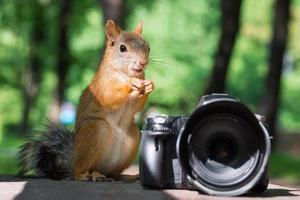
pixel 49 154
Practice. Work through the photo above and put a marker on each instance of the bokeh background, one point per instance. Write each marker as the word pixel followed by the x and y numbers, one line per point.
pixel 50 49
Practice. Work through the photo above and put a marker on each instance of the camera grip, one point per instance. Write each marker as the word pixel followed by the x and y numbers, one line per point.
pixel 151 161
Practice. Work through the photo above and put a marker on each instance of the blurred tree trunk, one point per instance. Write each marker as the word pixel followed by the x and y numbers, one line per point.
pixel 271 98
pixel 115 10
pixel 63 58
pixel 32 74
pixel 230 22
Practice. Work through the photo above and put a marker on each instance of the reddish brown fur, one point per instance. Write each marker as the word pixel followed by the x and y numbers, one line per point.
pixel 99 128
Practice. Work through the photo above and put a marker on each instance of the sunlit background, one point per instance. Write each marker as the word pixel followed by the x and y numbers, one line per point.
pixel 50 50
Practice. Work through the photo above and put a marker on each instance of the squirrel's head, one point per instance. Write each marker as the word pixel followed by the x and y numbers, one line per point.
pixel 127 51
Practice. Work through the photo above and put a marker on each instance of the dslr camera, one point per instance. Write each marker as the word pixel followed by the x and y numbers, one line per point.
pixel 221 149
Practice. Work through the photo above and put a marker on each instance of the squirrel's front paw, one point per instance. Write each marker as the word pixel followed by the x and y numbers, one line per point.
pixel 138 86
pixel 149 86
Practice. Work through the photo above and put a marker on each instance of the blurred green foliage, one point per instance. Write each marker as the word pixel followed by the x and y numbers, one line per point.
pixel 8 150
pixel 285 166
pixel 183 38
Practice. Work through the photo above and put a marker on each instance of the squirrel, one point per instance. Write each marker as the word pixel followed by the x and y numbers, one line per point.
pixel 105 139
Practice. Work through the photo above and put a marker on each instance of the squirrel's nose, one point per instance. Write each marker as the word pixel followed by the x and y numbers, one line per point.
pixel 143 63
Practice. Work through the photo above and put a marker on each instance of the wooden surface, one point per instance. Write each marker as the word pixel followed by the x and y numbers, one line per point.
pixel 36 189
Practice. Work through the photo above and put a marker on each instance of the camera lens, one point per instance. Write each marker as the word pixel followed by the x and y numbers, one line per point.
pixel 223 150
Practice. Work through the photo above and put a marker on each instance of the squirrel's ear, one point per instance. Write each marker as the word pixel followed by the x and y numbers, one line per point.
pixel 139 28
pixel 112 30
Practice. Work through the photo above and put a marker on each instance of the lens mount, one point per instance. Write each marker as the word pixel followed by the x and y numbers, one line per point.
pixel 223 148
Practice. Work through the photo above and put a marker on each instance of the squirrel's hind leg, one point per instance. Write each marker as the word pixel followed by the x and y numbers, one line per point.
pixel 94 176
pixel 93 141
pixel 97 177
pixel 86 176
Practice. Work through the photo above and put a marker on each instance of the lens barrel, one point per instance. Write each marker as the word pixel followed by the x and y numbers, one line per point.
pixel 223 148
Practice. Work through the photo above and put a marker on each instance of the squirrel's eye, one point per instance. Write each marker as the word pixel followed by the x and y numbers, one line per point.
pixel 123 48
pixel 149 49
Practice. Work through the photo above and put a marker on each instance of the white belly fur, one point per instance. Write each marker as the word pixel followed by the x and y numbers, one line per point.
pixel 120 122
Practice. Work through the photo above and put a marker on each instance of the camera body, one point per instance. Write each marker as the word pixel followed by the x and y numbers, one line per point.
pixel 159 163
pixel 205 151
